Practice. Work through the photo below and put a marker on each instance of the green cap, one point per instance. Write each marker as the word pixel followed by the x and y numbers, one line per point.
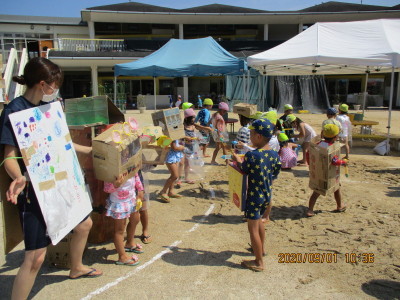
pixel 187 105
pixel 287 107
pixel 282 137
pixel 344 107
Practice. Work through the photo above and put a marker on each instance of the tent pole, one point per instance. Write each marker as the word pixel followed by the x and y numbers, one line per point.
pixel 365 91
pixel 390 109
pixel 115 89
pixel 243 87
pixel 155 93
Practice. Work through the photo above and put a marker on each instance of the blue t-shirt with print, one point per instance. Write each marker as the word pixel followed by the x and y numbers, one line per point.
pixel 203 116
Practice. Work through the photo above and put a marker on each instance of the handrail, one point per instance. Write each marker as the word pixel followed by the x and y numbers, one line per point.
pixel 19 89
pixel 102 45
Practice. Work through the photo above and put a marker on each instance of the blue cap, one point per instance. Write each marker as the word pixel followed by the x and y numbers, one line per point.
pixel 263 127
pixel 331 111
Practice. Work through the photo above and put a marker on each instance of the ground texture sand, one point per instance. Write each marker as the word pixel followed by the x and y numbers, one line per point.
pixel 205 259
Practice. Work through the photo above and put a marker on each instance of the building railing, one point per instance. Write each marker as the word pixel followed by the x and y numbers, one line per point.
pixel 105 45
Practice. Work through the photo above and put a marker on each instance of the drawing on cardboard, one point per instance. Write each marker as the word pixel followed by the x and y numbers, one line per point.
pixel 53 167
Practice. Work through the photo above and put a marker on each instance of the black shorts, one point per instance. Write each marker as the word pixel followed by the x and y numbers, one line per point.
pixel 33 225
pixel 32 221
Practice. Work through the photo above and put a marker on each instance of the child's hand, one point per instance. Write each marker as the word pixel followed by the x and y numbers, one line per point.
pixel 237 158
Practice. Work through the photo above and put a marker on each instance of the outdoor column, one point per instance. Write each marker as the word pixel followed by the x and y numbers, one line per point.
pixel 155 93
pixel 91 29
pixel 181 31
pixel 365 91
pixel 300 27
pixel 265 32
pixel 95 82
pixel 185 89
pixel 397 103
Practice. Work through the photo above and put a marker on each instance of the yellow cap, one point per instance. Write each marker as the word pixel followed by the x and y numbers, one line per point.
pixel 287 107
pixel 208 101
pixel 330 131
pixel 282 137
pixel 291 118
pixel 344 107
pixel 271 116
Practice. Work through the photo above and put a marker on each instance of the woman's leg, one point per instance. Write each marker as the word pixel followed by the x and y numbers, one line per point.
pixel 131 228
pixel 27 273
pixel 77 246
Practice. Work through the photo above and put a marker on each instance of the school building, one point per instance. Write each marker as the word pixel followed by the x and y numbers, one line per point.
pixel 87 48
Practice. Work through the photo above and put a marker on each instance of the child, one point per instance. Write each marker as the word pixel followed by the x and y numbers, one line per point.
pixel 344 120
pixel 179 101
pixel 122 205
pixel 173 161
pixel 189 128
pixel 262 165
pixel 219 127
pixel 331 115
pixel 281 122
pixel 204 118
pixel 330 132
pixel 243 135
pixel 143 212
pixel 287 155
pixel 199 102
pixel 306 133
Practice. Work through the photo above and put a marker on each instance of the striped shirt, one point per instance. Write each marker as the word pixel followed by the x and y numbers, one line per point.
pixel 243 134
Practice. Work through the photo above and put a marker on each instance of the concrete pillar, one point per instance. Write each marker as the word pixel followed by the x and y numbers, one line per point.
pixel 185 88
pixel 300 27
pixel 265 32
pixel 181 32
pixel 95 82
pixel 397 99
pixel 91 29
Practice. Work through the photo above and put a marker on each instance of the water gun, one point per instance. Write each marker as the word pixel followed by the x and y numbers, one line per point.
pixel 346 168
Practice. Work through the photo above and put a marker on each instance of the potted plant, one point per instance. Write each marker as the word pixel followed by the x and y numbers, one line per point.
pixel 141 103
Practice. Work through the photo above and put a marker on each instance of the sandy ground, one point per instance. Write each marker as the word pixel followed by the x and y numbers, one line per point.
pixel 204 259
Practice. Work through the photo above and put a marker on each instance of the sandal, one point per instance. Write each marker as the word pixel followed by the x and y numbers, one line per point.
pixel 343 209
pixel 93 273
pixel 189 181
pixel 137 249
pixel 146 239
pixel 174 196
pixel 134 261
pixel 164 197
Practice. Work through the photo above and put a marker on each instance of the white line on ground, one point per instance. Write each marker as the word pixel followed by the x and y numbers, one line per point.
pixel 155 258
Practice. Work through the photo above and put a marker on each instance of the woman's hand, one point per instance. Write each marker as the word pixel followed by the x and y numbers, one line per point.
pixel 16 187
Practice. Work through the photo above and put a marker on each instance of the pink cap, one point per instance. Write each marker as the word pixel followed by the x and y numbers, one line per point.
pixel 179 96
pixel 223 106
pixel 189 113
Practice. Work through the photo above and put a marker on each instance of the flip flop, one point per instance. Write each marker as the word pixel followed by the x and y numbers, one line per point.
pixel 134 261
pixel 146 239
pixel 137 249
pixel 340 210
pixel 90 274
pixel 189 181
pixel 174 196
pixel 249 264
pixel 164 198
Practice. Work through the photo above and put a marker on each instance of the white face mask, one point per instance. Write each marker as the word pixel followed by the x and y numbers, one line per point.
pixel 51 97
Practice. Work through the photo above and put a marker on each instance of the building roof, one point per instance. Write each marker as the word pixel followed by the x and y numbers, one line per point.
pixel 134 7
pixel 19 19
pixel 221 9
pixel 331 6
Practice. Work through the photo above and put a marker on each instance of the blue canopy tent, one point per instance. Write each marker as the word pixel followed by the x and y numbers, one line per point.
pixel 184 58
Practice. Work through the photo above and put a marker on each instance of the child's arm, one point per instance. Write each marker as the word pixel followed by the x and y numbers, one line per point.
pixel 82 149
pixel 338 162
pixel 176 147
pixel 200 127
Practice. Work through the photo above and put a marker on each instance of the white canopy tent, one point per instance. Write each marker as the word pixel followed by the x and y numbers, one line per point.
pixel 337 48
